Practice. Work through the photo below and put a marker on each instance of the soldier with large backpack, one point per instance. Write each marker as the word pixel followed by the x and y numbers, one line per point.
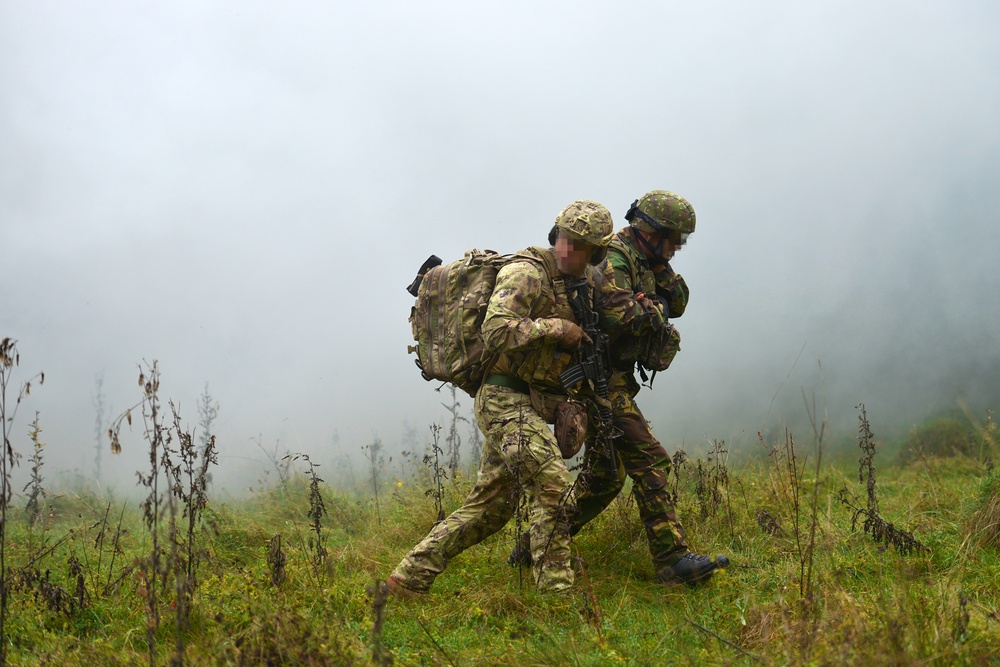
pixel 640 254
pixel 530 336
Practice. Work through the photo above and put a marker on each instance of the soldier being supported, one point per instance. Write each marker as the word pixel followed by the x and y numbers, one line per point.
pixel 533 333
pixel 640 254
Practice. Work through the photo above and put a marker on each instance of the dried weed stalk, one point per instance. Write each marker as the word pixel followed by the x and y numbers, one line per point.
pixel 432 459
pixel 112 583
pixel 280 462
pixel 317 510
pixel 680 457
pixel 376 462
pixel 189 492
pixel 157 436
pixel 880 530
pixel 381 655
pixel 276 559
pixel 454 438
pixel 9 359
pixel 56 598
pixel 183 501
pixel 208 412
pixel 712 480
pixel 592 609
pixel 101 417
pixel 34 489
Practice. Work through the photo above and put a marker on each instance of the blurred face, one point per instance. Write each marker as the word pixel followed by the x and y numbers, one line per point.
pixel 572 254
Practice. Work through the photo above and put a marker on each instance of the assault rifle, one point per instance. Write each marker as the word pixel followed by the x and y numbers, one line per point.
pixel 594 366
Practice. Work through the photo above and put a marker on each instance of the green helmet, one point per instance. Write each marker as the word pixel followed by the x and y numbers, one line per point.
pixel 587 220
pixel 660 211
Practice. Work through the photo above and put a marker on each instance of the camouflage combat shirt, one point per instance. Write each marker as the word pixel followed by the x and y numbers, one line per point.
pixel 522 325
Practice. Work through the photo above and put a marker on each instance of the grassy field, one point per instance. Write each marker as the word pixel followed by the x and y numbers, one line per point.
pixel 286 575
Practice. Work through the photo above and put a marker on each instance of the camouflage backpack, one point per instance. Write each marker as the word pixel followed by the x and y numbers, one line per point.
pixel 449 313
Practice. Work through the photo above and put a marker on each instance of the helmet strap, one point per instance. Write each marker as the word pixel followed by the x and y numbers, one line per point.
pixel 653 250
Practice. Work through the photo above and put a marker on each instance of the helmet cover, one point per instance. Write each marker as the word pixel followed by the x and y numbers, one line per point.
pixel 661 211
pixel 587 220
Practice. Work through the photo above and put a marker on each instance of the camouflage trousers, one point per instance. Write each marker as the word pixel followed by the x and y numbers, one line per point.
pixel 520 455
pixel 641 457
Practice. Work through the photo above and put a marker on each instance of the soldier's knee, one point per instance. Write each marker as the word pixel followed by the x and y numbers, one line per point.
pixel 651 482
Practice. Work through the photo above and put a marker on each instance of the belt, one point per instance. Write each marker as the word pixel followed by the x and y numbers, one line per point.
pixel 509 382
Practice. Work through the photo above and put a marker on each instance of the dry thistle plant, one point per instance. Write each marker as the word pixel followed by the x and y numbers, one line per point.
pixel 183 588
pixel 432 459
pixel 712 480
pixel 184 500
pixel 9 359
pixel 677 461
pixel 208 412
pixel 156 434
pixel 35 490
pixel 53 596
pixel 454 438
pixel 188 489
pixel 880 530
pixel 317 510
pixel 804 545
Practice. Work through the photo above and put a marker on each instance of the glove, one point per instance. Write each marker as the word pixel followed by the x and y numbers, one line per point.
pixel 572 336
pixel 656 306
pixel 652 305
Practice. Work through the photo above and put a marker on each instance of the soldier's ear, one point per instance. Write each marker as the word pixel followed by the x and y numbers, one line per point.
pixel 553 233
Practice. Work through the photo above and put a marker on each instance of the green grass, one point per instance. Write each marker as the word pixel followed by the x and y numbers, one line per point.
pixel 869 605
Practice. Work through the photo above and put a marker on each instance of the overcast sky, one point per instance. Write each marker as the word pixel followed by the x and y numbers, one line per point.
pixel 241 191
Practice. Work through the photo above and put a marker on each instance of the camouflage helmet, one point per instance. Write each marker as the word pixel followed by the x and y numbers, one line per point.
pixel 660 211
pixel 587 220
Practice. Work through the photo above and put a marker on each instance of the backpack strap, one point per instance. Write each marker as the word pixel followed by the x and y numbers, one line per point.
pixel 546 260
pixel 626 252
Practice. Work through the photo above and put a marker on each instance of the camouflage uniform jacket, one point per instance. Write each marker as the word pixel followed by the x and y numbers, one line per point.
pixel 522 324
pixel 632 272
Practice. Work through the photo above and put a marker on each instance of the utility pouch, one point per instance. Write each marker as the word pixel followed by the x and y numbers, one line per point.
pixel 568 419
pixel 570 427
pixel 657 350
pixel 545 404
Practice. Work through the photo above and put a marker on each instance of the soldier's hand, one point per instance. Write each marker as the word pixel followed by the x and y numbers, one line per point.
pixel 572 336
pixel 650 305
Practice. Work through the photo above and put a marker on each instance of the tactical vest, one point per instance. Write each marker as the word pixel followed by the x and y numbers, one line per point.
pixel 653 352
pixel 541 366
